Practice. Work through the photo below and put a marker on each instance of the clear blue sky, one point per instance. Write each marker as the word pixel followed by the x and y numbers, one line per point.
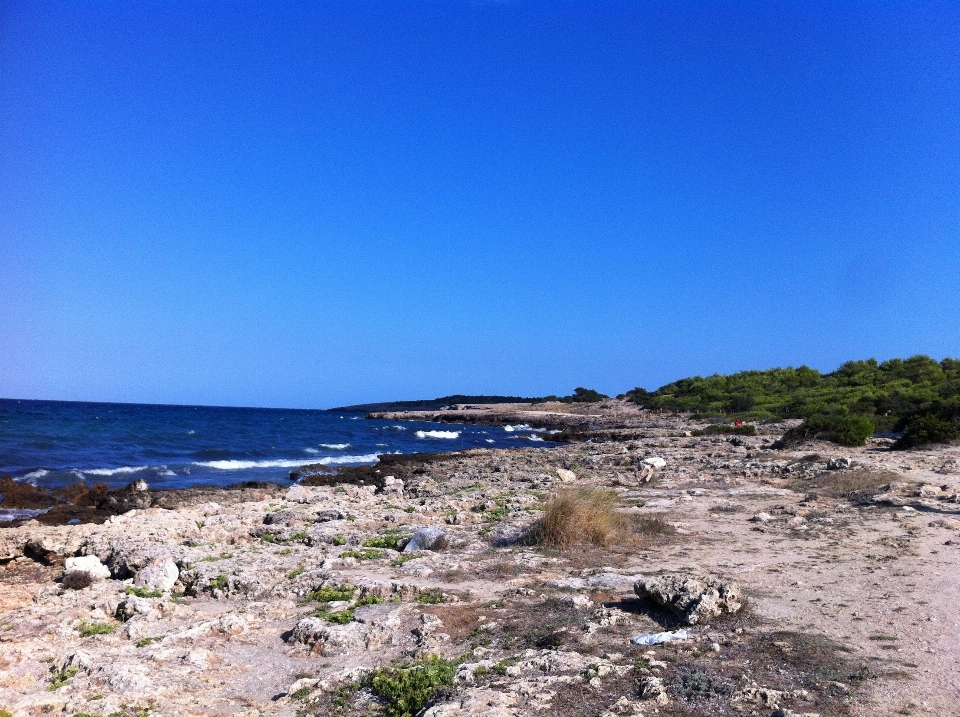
pixel 283 204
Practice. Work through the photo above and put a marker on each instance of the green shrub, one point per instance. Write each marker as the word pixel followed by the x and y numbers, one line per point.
pixel 88 629
pixel 142 592
pixel 220 582
pixel 332 594
pixel 339 539
pixel 405 691
pixel 430 597
pixel 144 641
pixel 927 428
pixel 390 540
pixel 362 554
pixel 60 677
pixel 296 572
pixel 844 430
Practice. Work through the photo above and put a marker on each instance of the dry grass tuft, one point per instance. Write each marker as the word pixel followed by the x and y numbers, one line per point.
pixel 853 483
pixel 581 515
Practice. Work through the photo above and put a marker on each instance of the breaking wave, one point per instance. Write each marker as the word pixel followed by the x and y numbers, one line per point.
pixel 335 446
pixel 438 434
pixel 237 465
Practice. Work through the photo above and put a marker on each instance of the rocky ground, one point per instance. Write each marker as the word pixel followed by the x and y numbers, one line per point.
pixel 285 601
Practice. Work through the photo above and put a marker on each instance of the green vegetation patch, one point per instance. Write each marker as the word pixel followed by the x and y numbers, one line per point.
pixel 405 691
pixel 142 592
pixel 362 554
pixel 891 394
pixel 845 430
pixel 60 677
pixel 430 597
pixel 391 540
pixel 88 629
pixel 719 429
pixel 332 594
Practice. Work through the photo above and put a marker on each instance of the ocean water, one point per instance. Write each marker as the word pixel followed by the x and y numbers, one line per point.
pixel 56 443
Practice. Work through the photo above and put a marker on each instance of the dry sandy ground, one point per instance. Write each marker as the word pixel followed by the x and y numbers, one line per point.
pixel 851 577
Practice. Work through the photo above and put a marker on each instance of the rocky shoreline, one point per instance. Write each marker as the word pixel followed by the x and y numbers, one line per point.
pixel 813 579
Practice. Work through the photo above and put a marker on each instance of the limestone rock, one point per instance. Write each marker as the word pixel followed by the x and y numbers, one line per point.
pixel 836 464
pixel 476 703
pixel 652 688
pixel 84 571
pixel 161 574
pixel 567 476
pixel 655 462
pixel 427 539
pixel 693 599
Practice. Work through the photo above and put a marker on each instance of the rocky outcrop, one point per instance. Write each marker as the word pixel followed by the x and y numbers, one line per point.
pixel 693 599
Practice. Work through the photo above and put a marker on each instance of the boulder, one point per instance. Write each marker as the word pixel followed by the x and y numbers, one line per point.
pixel 427 539
pixel 566 476
pixel 392 484
pixel 836 464
pixel 693 599
pixel 84 571
pixel 161 574
pixel 655 462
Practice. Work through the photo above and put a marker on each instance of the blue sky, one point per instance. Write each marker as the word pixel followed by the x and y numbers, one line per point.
pixel 306 205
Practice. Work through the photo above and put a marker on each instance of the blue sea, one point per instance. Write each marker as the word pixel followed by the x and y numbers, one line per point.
pixel 57 443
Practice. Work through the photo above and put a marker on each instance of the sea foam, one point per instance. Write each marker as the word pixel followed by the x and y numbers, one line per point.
pixel 335 446
pixel 438 434
pixel 237 465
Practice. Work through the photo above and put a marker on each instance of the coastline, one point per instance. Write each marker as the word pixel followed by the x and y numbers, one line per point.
pixel 818 566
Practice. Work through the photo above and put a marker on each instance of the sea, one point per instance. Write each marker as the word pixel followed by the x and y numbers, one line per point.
pixel 58 443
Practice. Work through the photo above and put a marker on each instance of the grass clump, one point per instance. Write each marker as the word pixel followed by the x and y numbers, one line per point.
pixel 362 554
pixel 296 572
pixel 579 515
pixel 142 592
pixel 405 691
pixel 144 641
pixel 61 676
pixel 339 539
pixel 850 484
pixel 88 629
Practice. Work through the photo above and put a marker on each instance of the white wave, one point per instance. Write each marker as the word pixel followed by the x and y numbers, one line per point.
pixel 524 427
pixel 190 433
pixel 381 445
pixel 310 450
pixel 243 465
pixel 399 428
pixel 489 440
pixel 536 438
pixel 39 473
pixel 114 471
pixel 335 446
pixel 165 472
pixel 338 460
pixel 286 463
pixel 438 434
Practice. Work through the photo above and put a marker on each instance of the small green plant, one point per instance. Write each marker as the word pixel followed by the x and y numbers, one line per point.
pixel 332 594
pixel 144 641
pixel 339 539
pixel 88 629
pixel 296 572
pixel 301 694
pixel 60 677
pixel 405 691
pixel 369 600
pixel 501 667
pixel 404 558
pixel 285 551
pixel 430 597
pixel 362 554
pixel 268 538
pixel 340 617
pixel 296 537
pixel 5 713
pixel 216 558
pixel 142 592
pixel 200 524
pixel 220 582
pixel 390 540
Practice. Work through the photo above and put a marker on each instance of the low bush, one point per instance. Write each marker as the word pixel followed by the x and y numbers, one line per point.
pixel 580 515
pixel 927 428
pixel 405 691
pixel 842 429
pixel 332 594
pixel 142 592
